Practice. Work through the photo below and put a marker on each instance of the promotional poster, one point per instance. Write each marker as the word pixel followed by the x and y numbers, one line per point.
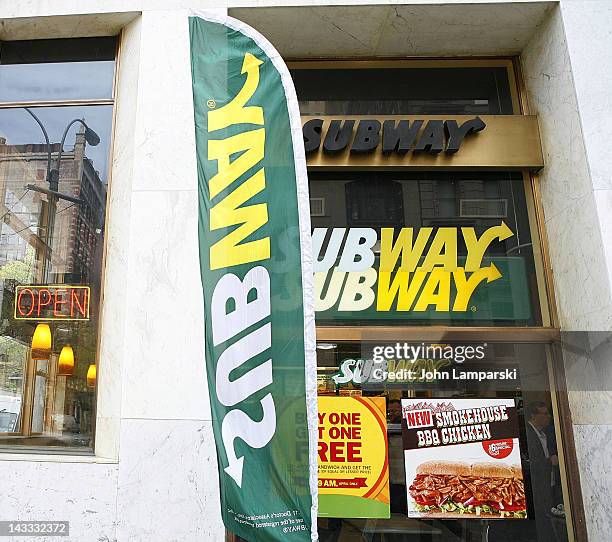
pixel 462 459
pixel 353 457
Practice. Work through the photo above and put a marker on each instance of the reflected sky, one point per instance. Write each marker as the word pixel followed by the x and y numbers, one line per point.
pixel 19 128
pixel 56 81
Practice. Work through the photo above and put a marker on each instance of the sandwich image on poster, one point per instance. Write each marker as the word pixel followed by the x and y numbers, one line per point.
pixel 462 459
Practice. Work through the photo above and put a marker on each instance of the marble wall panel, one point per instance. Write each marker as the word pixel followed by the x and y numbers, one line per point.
pixel 593 447
pixel 165 376
pixel 576 245
pixel 84 494
pixel 400 29
pixel 168 488
pixel 587 30
pixel 47 8
pixel 577 222
pixel 114 309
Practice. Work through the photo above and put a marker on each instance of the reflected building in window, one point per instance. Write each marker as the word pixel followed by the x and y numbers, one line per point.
pixel 77 236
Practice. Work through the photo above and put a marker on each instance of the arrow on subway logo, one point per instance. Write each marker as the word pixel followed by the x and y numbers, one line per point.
pixel 501 233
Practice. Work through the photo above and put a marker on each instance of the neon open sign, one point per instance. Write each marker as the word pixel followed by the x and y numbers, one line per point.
pixel 52 302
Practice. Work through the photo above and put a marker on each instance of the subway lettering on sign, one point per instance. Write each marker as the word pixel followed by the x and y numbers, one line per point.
pixel 250 295
pixel 398 137
pixel 416 270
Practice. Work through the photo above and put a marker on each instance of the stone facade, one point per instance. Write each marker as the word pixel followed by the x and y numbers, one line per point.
pixel 153 476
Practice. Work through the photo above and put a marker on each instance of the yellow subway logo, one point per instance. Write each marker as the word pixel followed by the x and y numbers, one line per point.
pixel 407 270
pixel 234 248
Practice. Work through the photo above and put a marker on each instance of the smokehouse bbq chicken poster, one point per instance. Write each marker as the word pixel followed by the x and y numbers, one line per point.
pixel 462 459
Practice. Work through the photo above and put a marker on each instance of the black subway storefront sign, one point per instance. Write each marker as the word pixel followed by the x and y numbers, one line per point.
pixel 395 136
pixel 459 142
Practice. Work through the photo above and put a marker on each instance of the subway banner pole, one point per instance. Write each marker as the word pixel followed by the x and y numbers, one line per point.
pixel 257 274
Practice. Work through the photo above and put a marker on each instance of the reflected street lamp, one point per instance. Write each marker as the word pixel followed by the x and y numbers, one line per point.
pixel 53 176
pixel 90 136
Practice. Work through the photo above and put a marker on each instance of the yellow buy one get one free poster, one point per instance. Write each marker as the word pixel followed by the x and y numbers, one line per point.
pixel 353 457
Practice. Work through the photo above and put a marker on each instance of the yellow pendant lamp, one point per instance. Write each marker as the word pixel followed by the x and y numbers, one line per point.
pixel 41 342
pixel 65 364
pixel 91 376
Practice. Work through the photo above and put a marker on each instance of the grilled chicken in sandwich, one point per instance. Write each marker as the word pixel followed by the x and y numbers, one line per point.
pixel 484 489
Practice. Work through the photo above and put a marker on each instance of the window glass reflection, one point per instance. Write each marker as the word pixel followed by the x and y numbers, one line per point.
pixel 38 82
pixel 52 210
pixel 18 127
pixel 54 70
pixel 400 91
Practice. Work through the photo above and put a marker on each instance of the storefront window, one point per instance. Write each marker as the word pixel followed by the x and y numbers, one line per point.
pixel 465 206
pixel 458 90
pixel 418 440
pixel 350 369
pixel 40 69
pixel 54 162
